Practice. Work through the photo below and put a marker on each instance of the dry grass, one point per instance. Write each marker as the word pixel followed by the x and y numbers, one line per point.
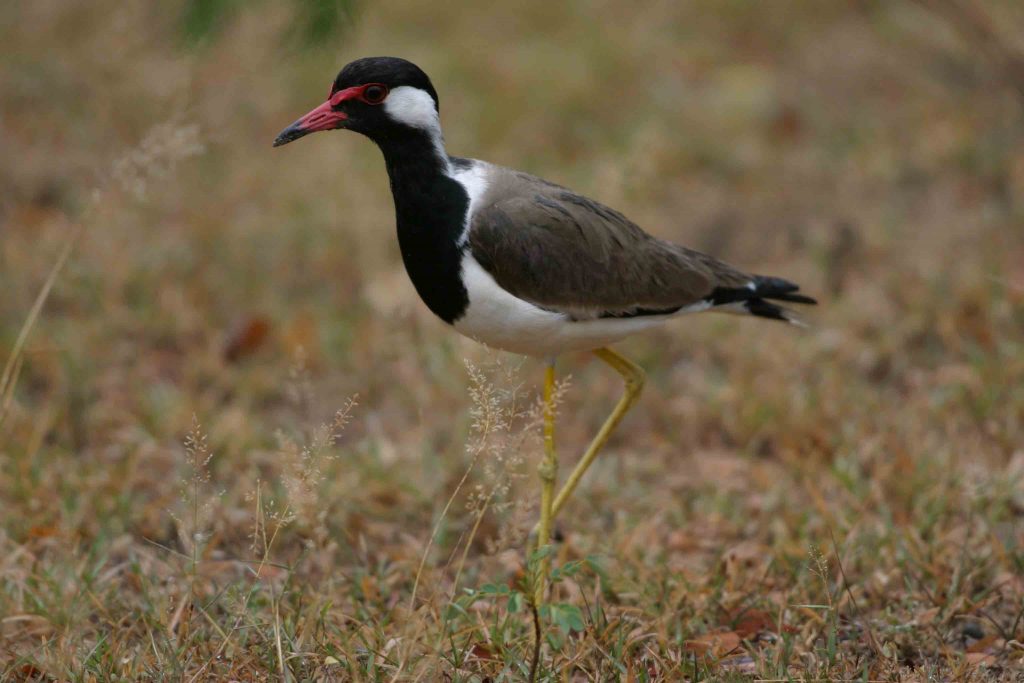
pixel 181 497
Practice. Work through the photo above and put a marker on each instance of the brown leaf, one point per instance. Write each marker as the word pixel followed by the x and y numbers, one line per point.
pixel 517 579
pixel 714 644
pixel 248 336
pixel 752 622
pixel 270 572
pixel 30 672
pixel 679 540
pixel 482 651
pixel 44 531
pixel 983 645
pixel 977 658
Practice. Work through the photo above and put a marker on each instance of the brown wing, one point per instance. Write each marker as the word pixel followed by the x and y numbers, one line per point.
pixel 560 250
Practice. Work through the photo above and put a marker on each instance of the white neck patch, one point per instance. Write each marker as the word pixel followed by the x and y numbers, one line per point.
pixel 415 108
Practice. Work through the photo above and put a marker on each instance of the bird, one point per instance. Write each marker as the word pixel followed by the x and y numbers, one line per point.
pixel 522 264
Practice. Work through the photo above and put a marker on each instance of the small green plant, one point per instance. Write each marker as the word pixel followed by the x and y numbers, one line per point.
pixel 513 604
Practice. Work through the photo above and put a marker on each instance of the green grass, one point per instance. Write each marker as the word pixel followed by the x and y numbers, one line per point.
pixel 234 444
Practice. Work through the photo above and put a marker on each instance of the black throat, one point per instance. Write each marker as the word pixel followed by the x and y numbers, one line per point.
pixel 430 211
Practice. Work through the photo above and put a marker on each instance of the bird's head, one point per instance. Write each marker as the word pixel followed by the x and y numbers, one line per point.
pixel 374 96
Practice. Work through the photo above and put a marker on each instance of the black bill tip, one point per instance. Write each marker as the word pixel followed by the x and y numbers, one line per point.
pixel 289 134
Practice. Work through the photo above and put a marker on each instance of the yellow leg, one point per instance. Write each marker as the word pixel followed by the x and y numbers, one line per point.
pixel 634 376
pixel 548 471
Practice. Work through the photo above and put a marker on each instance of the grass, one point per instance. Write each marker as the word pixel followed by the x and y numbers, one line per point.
pixel 234 444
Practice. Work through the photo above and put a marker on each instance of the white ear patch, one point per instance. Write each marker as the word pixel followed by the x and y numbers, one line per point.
pixel 413 107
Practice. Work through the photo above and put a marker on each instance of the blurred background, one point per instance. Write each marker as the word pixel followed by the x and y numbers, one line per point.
pixel 175 400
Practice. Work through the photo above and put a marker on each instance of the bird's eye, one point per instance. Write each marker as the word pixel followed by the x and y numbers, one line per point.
pixel 374 94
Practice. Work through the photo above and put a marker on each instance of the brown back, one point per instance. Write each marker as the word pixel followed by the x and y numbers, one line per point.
pixel 562 251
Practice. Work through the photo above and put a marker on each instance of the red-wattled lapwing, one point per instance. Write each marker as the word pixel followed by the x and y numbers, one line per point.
pixel 522 264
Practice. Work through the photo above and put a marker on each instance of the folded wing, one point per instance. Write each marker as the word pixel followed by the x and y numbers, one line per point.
pixel 562 251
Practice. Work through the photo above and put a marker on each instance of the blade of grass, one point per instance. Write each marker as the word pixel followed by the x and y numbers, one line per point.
pixel 9 377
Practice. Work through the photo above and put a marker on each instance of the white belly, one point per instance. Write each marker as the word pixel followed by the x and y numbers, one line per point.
pixel 500 320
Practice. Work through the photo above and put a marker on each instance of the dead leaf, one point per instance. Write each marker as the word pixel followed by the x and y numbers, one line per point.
pixel 752 622
pixel 246 337
pixel 44 531
pixel 30 672
pixel 714 644
pixel 980 658
pixel 984 645
pixel 677 540
pixel 517 579
pixel 482 651
pixel 269 572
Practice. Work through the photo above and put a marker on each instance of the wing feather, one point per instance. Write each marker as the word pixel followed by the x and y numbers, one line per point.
pixel 562 251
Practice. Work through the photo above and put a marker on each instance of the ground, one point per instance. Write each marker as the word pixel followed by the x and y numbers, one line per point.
pixel 234 445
